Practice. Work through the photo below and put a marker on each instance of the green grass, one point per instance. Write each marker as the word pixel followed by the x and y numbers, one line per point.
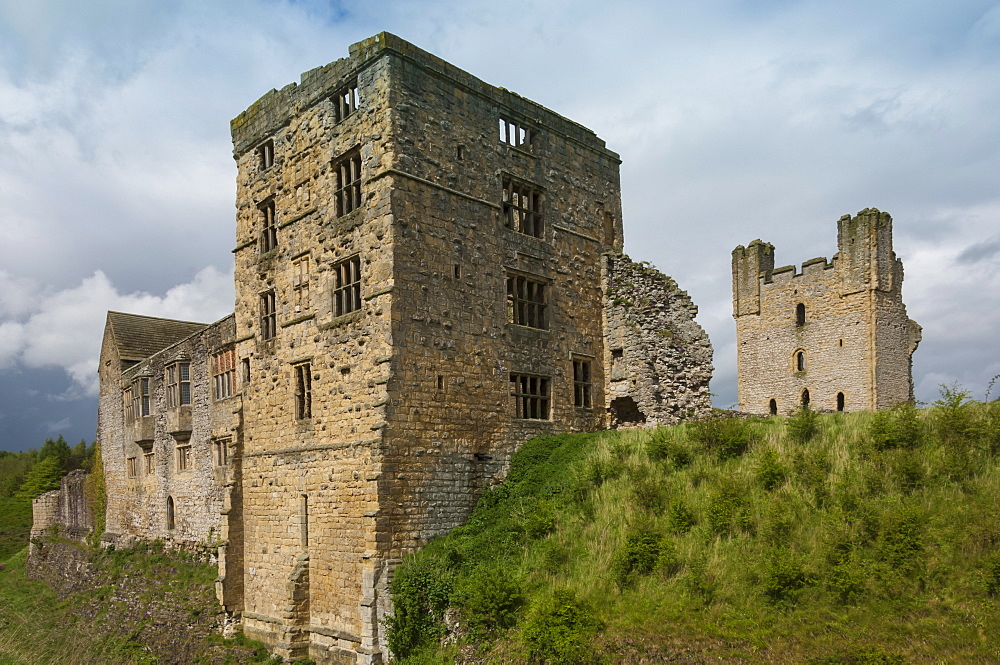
pixel 15 525
pixel 839 538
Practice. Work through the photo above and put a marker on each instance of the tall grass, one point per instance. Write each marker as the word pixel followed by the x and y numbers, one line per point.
pixel 816 538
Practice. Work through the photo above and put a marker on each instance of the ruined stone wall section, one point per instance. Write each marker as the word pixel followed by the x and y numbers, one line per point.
pixel 44 513
pixel 855 338
pixel 659 357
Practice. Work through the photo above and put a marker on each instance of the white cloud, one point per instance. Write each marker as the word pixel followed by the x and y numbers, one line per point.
pixel 64 328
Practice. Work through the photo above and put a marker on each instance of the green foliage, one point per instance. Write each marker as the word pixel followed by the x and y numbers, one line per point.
pixel 680 519
pixel 15 525
pixel 784 575
pixel 96 494
pixel 644 550
pixel 770 472
pixel 664 447
pixel 861 656
pixel 421 592
pixel 803 426
pixel 899 427
pixel 490 599
pixel 43 477
pixel 558 629
pixel 729 509
pixel 725 436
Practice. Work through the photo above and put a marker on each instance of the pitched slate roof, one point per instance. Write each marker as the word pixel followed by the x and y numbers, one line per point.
pixel 138 337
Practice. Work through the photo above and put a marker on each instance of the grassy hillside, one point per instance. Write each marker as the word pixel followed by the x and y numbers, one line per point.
pixel 15 525
pixel 840 538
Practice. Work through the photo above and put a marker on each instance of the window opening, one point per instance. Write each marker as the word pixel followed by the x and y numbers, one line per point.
pixel 268 315
pixel 144 401
pixel 304 519
pixel 461 152
pixel 440 382
pixel 457 271
pixel 269 230
pixel 178 381
pixel 246 370
pixel 526 302
pixel 184 460
pixel 346 101
pixel 805 397
pixel 300 283
pixel 265 154
pixel 800 314
pixel 582 386
pixel 224 373
pixel 530 396
pixel 840 401
pixel 170 513
pixel 220 450
pixel 347 292
pixel 348 192
pixel 514 133
pixel 522 208
pixel 800 361
pixel 149 463
pixel 773 407
pixel 128 401
pixel 303 390
pixel 131 467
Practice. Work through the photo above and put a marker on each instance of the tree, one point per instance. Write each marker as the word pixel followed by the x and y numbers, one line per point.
pixel 43 477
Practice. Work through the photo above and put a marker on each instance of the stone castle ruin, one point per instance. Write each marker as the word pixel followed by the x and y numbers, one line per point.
pixel 835 335
pixel 428 273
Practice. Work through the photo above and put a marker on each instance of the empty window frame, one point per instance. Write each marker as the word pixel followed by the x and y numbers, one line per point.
pixel 170 513
pixel 347 171
pixel 268 230
pixel 131 467
pixel 526 305
pixel 530 396
pixel 143 405
pixel 514 133
pixel 220 451
pixel 347 286
pixel 149 463
pixel 265 154
pixel 800 361
pixel 224 373
pixel 303 390
pixel 268 315
pixel 805 397
pixel 178 380
pixel 128 402
pixel 184 459
pixel 800 314
pixel 346 101
pixel 522 208
pixel 582 383
pixel 300 283
pixel 840 401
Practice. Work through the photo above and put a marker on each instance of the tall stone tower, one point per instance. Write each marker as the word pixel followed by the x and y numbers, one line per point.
pixel 834 335
pixel 418 267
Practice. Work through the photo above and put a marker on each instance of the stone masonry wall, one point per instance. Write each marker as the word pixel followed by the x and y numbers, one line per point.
pixel 659 358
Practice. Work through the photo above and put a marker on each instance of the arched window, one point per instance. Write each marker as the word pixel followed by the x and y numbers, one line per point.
pixel 800 314
pixel 805 397
pixel 840 401
pixel 800 361
pixel 773 407
pixel 170 513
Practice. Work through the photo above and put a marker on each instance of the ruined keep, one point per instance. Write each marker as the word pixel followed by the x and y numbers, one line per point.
pixel 428 273
pixel 834 335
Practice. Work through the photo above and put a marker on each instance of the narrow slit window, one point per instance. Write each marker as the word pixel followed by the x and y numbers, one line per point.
pixel 800 361
pixel 269 230
pixel 268 315
pixel 170 513
pixel 265 154
pixel 800 314
pixel 303 391
pixel 582 385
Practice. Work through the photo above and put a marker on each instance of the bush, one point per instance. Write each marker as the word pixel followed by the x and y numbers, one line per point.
pixel 680 519
pixel 783 577
pixel 648 492
pixel 490 598
pixel 803 426
pixel 558 630
pixel 770 472
pixel 664 447
pixel 729 509
pixel 644 551
pixel 421 591
pixel 899 427
pixel 725 437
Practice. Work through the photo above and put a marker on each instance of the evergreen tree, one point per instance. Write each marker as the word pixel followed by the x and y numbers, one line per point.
pixel 43 477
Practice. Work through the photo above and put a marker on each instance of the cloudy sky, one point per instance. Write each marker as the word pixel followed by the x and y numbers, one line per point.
pixel 735 120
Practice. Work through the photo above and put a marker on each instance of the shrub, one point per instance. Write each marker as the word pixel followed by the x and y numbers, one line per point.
pixel 558 629
pixel 725 436
pixel 421 591
pixel 662 446
pixel 991 574
pixel 803 426
pixel 899 427
pixel 644 551
pixel 783 577
pixel 648 492
pixel 770 472
pixel 680 519
pixel 729 509
pixel 490 599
